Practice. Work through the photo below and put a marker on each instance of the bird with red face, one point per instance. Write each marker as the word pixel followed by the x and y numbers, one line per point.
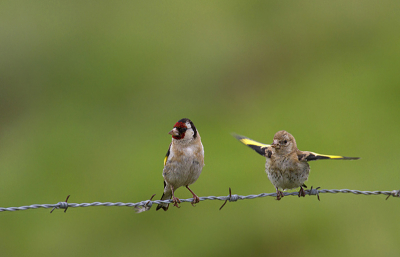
pixel 183 162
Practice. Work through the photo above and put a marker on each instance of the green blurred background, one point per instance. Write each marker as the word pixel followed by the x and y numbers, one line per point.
pixel 89 91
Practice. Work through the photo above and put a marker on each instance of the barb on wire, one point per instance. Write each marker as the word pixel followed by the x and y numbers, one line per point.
pixel 314 192
pixel 61 205
pixel 146 206
pixel 231 198
pixel 394 193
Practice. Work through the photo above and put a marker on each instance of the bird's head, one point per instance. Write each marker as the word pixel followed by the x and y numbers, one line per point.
pixel 284 142
pixel 184 130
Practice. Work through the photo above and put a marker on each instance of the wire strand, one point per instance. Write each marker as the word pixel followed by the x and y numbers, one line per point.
pixel 146 205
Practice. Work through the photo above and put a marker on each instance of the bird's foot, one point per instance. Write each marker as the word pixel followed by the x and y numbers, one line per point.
pixel 302 192
pixel 176 201
pixel 196 199
pixel 279 195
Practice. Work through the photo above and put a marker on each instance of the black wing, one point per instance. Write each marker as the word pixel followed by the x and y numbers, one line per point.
pixel 310 156
pixel 260 148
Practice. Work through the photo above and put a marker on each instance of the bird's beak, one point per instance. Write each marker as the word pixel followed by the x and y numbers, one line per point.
pixel 174 132
pixel 275 144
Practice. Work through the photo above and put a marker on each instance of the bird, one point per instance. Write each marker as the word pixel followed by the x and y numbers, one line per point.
pixel 183 162
pixel 286 166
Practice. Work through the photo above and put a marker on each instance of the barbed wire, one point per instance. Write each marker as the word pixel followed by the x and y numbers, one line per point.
pixel 147 204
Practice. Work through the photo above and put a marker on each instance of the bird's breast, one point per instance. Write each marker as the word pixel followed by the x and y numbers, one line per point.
pixel 184 166
pixel 285 172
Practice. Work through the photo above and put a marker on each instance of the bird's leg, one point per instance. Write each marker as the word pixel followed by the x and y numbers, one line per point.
pixel 175 199
pixel 196 199
pixel 301 191
pixel 279 194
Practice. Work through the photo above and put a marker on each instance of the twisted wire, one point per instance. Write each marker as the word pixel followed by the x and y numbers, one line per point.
pixel 147 204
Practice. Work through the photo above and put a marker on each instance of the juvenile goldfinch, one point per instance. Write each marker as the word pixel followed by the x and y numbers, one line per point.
pixel 286 166
pixel 183 163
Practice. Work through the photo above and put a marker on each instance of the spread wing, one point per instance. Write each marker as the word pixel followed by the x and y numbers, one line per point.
pixel 260 148
pixel 166 156
pixel 311 156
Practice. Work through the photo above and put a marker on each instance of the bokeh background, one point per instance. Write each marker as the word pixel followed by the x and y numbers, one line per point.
pixel 89 91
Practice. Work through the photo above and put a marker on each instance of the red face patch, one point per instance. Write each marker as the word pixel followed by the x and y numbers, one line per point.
pixel 181 127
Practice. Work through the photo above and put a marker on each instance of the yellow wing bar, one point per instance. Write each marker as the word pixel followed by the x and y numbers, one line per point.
pixel 316 156
pixel 166 156
pixel 165 159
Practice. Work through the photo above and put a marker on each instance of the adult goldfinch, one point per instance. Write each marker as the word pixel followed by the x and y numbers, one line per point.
pixel 286 166
pixel 183 162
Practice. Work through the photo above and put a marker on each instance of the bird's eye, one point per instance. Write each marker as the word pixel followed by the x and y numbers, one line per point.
pixel 285 142
pixel 182 130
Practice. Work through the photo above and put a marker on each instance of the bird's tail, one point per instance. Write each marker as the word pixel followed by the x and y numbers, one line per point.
pixel 166 196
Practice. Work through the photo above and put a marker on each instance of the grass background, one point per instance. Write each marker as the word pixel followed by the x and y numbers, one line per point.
pixel 89 90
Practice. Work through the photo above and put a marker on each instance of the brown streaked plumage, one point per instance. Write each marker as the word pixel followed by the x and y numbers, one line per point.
pixel 287 167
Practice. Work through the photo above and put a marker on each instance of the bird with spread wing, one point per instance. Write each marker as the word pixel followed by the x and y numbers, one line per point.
pixel 287 167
